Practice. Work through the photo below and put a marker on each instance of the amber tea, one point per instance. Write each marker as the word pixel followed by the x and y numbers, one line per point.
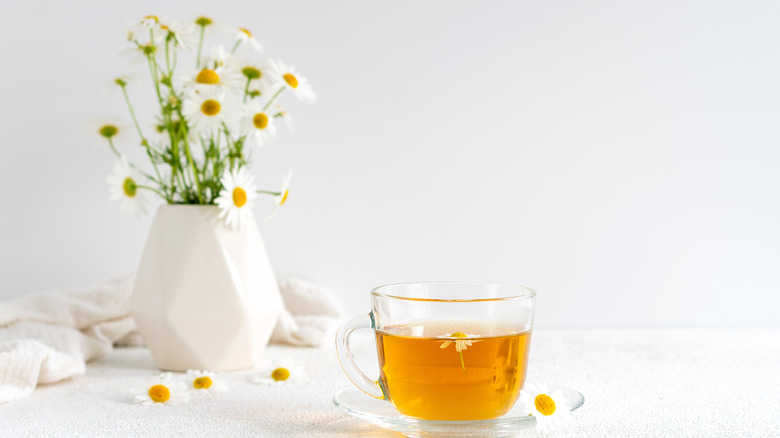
pixel 452 371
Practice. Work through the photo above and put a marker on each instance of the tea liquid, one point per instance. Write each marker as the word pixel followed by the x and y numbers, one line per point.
pixel 426 378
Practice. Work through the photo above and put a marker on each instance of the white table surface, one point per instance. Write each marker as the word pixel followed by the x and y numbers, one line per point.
pixel 643 383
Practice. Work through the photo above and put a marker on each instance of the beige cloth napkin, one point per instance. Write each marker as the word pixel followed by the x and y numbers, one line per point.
pixel 49 336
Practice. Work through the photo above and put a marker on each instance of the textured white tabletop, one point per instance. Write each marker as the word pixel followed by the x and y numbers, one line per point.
pixel 643 383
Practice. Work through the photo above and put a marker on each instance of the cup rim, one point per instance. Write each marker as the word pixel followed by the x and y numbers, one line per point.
pixel 527 294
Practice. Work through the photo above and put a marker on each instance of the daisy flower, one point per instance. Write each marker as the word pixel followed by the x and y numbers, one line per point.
pixel 163 391
pixel 243 35
pixel 206 382
pixel 206 111
pixel 124 185
pixel 257 123
pixel 257 73
pixel 236 198
pixel 281 197
pixel 461 340
pixel 218 78
pixel 282 113
pixel 141 29
pixel 289 78
pixel 280 372
pixel 184 35
pixel 548 407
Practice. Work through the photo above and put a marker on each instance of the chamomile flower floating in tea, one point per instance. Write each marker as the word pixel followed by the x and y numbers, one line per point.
pixel 236 198
pixel 547 407
pixel 124 183
pixel 163 390
pixel 280 372
pixel 461 340
pixel 206 382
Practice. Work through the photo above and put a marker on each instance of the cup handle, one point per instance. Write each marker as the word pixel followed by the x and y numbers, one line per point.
pixel 370 387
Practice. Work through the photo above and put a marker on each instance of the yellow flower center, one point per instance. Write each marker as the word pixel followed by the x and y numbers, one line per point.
pixel 239 197
pixel 291 80
pixel 108 131
pixel 210 108
pixel 164 27
pixel 280 374
pixel 459 335
pixel 260 121
pixel 545 404
pixel 284 197
pixel 129 187
pixel 246 31
pixel 159 393
pixel 207 76
pixel 251 72
pixel 202 382
pixel 203 21
pixel 152 17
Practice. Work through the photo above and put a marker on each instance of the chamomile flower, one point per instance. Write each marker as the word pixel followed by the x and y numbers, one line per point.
pixel 282 195
pixel 547 407
pixel 287 77
pixel 256 72
pixel 282 113
pixel 163 390
pixel 140 30
pixel 123 185
pixel 257 123
pixel 243 36
pixel 184 35
pixel 461 340
pixel 236 198
pixel 280 372
pixel 206 382
pixel 207 110
pixel 214 79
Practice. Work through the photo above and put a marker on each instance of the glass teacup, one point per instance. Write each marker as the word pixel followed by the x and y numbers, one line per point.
pixel 446 350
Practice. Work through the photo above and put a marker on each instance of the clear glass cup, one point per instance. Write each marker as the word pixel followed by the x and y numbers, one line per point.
pixel 446 350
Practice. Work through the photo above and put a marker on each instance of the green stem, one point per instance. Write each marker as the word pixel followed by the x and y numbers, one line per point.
pixel 152 189
pixel 235 46
pixel 268 192
pixel 273 98
pixel 200 45
pixel 461 361
pixel 111 143
pixel 246 88
pixel 132 113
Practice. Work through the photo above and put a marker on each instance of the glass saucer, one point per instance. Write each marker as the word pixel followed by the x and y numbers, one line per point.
pixel 381 413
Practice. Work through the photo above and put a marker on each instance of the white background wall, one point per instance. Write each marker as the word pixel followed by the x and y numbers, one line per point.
pixel 621 157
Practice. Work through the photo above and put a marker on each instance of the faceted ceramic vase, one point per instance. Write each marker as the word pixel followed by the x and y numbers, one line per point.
pixel 205 296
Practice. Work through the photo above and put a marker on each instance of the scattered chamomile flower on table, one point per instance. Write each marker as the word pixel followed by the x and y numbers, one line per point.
pixel 208 112
pixel 162 390
pixel 206 382
pixel 257 123
pixel 124 183
pixel 290 79
pixel 547 407
pixel 280 197
pixel 280 372
pixel 236 198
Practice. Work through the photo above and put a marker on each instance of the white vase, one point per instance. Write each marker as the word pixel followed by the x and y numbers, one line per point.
pixel 205 296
